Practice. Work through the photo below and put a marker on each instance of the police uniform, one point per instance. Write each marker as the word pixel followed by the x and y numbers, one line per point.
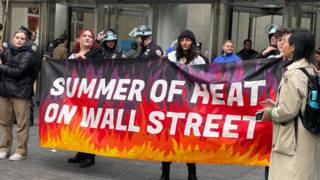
pixel 152 50
pixel 115 53
pixel 111 53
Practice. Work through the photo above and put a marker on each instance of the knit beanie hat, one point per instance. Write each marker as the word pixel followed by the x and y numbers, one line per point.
pixel 187 34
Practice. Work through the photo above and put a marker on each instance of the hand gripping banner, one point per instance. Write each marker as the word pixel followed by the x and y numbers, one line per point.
pixel 158 110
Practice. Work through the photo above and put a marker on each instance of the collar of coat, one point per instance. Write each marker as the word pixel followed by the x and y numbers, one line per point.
pixel 301 63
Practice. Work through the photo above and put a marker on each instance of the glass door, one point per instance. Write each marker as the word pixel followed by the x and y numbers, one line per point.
pixel 81 18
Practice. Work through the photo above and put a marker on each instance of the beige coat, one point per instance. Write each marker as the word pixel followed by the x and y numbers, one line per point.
pixel 60 52
pixel 293 158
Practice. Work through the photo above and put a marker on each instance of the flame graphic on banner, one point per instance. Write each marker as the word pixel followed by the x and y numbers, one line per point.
pixel 75 140
pixel 162 146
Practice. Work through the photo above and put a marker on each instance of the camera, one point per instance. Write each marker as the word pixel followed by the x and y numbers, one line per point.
pixel 259 115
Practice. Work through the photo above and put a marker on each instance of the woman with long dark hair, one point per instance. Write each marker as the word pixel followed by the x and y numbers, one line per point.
pixel 85 48
pixel 186 53
pixel 295 150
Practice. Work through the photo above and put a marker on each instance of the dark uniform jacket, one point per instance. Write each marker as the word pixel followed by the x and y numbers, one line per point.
pixel 17 72
pixel 115 53
pixel 152 50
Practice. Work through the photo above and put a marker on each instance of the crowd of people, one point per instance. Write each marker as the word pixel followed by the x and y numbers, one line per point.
pixel 292 157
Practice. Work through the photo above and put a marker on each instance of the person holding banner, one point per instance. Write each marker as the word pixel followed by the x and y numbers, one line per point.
pixel 16 89
pixel 109 46
pixel 148 48
pixel 85 48
pixel 185 53
pixel 295 150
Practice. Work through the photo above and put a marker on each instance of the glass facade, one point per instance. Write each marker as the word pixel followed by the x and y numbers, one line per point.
pixel 212 22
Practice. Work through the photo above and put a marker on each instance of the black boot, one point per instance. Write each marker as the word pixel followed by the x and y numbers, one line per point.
pixel 88 160
pixel 76 159
pixel 165 171
pixel 192 175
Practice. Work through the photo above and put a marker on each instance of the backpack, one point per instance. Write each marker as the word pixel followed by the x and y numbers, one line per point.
pixel 311 118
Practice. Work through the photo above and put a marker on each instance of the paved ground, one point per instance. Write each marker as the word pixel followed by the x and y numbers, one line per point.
pixel 43 164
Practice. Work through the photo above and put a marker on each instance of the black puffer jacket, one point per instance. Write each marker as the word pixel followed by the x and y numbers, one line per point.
pixel 17 72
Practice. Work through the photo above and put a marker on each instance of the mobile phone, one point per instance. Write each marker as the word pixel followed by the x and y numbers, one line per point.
pixel 259 115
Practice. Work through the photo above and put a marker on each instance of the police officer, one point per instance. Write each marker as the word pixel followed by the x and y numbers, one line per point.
pixel 272 48
pixel 109 46
pixel 144 38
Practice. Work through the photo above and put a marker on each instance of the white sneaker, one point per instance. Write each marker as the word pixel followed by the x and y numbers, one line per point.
pixel 16 157
pixel 3 155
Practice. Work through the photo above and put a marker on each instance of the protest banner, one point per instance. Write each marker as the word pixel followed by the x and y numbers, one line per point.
pixel 158 110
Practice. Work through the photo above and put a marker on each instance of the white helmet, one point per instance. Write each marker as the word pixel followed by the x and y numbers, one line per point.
pixel 143 30
pixel 272 28
pixel 110 36
pixel 132 33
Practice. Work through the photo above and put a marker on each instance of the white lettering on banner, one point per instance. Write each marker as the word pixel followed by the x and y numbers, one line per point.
pixel 115 89
pixel 65 114
pixel 135 91
pixel 155 118
pixel 210 125
pixel 71 90
pixel 198 92
pixel 51 113
pixel 119 94
pixel 228 126
pixel 101 118
pixel 84 88
pixel 173 89
pixel 193 125
pixel 252 125
pixel 163 90
pixel 119 125
pixel 105 90
pixel 193 122
pixel 131 90
pixel 217 98
pixel 58 87
pixel 108 119
pixel 175 117
pixel 235 94
pixel 254 86
pixel 131 126
pixel 90 117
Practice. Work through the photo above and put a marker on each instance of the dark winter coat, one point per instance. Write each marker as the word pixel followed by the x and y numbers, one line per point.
pixel 17 72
